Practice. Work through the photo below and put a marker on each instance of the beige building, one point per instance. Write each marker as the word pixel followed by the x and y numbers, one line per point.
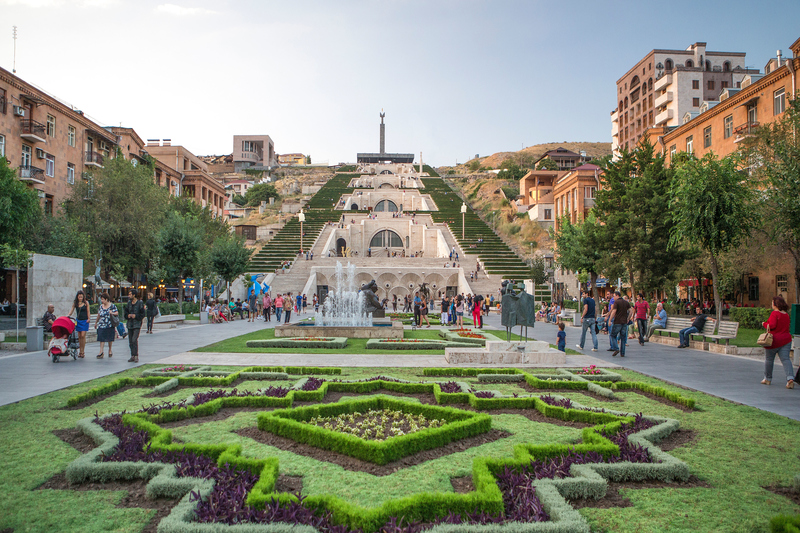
pixel 386 199
pixel 665 85
pixel 574 192
pixel 291 159
pixel 253 151
pixel 194 180
pixel 50 142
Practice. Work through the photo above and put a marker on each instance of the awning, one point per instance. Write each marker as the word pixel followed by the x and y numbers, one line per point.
pixel 692 282
pixel 123 284
pixel 749 101
pixel 102 282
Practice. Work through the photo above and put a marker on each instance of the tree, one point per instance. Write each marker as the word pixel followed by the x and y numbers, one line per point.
pixel 229 258
pixel 510 170
pixel 60 235
pixel 19 206
pixel 121 209
pixel 775 156
pixel 714 208
pixel 578 247
pixel 547 164
pixel 238 199
pixel 474 165
pixel 180 241
pixel 308 159
pixel 539 274
pixel 213 227
pixel 260 192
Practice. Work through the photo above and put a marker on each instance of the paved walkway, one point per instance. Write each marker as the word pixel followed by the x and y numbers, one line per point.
pixel 730 377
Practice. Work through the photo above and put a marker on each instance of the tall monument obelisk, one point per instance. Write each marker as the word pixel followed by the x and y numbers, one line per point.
pixel 383 134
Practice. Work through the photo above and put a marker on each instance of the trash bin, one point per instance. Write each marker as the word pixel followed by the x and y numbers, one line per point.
pixel 204 317
pixel 35 338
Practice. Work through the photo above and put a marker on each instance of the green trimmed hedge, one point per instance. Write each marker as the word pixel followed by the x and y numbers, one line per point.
pixel 455 337
pixel 467 371
pixel 292 424
pixel 298 342
pixel 785 524
pixel 658 391
pixel 302 370
pixel 426 344
pixel 749 317
pixel 117 384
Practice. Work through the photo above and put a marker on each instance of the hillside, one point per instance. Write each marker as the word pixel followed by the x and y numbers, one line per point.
pixel 532 153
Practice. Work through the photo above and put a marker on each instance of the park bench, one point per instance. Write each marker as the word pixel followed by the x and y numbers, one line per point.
pixel 727 329
pixel 169 320
pixel 567 315
pixel 47 334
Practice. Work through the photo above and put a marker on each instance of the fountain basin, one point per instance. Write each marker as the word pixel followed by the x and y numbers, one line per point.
pixel 380 329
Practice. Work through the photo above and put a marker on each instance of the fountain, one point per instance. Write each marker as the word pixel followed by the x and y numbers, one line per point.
pixel 345 313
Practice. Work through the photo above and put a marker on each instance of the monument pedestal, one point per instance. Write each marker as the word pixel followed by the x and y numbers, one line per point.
pixel 507 353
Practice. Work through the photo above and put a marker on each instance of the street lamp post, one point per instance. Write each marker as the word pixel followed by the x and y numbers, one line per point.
pixel 302 218
pixel 463 215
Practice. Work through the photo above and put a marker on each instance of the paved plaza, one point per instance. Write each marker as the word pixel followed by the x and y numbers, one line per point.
pixel 734 378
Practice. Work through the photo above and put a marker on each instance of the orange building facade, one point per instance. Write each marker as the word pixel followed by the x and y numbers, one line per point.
pixel 721 127
pixel 574 192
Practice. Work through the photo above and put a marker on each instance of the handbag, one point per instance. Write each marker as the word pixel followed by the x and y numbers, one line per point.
pixel 765 339
pixel 114 319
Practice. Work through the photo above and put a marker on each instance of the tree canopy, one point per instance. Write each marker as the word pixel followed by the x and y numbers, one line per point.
pixel 19 207
pixel 260 192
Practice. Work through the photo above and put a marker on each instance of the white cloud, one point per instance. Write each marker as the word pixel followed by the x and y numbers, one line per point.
pixel 180 11
pixel 60 3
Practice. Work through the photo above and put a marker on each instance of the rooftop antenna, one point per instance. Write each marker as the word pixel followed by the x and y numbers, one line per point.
pixel 14 33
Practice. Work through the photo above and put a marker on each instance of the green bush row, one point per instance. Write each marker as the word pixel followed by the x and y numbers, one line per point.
pixel 427 344
pixel 289 342
pixel 749 317
pixel 500 378
pixel 117 384
pixel 301 370
pixel 292 424
pixel 455 337
pixel 658 391
pixel 785 524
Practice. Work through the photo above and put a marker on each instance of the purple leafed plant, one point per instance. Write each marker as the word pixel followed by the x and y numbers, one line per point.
pixel 373 378
pixel 450 387
pixel 566 403
pixel 482 393
pixel 212 394
pixel 313 384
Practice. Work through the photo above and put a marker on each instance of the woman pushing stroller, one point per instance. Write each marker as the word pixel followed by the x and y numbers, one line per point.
pixel 81 309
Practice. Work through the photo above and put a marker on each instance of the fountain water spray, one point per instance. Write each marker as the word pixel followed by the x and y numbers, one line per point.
pixel 345 305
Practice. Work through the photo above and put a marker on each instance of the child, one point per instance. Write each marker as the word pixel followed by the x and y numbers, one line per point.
pixel 562 337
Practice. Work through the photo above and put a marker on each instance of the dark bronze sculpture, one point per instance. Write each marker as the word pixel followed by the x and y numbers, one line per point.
pixel 518 309
pixel 372 304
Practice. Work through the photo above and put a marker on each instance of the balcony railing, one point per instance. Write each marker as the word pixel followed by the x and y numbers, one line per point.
pixel 93 158
pixel 662 82
pixel 29 173
pixel 663 99
pixel 743 131
pixel 664 116
pixel 32 130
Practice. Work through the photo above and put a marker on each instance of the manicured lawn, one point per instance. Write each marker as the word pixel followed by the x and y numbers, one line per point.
pixel 736 450
pixel 14 338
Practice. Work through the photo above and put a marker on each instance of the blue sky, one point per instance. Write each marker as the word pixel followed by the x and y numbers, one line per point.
pixel 455 77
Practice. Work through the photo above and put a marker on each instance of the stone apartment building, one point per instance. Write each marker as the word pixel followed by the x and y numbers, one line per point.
pixel 761 99
pixel 253 151
pixel 51 143
pixel 665 85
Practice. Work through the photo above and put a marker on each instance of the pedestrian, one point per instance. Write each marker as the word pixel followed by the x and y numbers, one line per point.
pixel 460 312
pixel 423 312
pixel 612 340
pixel 642 316
pixel 150 309
pixel 305 303
pixel 81 309
pixel 251 315
pixel 778 324
pixel 561 340
pixel 311 255
pixel 621 315
pixel 659 321
pixel 299 305
pixel 268 307
pixel 287 308
pixel 443 311
pixel 278 307
pixel 104 324
pixel 134 313
pixel 476 311
pixel 588 320
pixel 417 315
pixel 685 335
pixel 394 303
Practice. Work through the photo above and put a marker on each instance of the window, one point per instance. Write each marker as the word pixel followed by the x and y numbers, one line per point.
pixel 779 101
pixel 710 85
pixel 588 192
pixel 724 84
pixel 690 64
pixel 386 205
pixel 71 136
pixel 728 124
pixel 48 205
pixel 707 137
pixel 70 173
pixel 752 113
pixel 695 84
pixel 689 144
pixel 782 283
pixel 3 101
pixel 672 151
pixel 26 156
pixel 51 126
pixel 386 239
pixel 2 146
pixel 50 166
pixel 753 288
pixel 696 102
pixel 548 214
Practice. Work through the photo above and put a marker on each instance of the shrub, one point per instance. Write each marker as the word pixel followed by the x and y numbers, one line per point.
pixel 750 317
pixel 300 342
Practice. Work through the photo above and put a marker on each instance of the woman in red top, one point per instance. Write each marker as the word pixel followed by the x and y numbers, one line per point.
pixel 778 325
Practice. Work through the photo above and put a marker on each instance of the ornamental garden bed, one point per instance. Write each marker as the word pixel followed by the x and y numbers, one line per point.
pixel 414 344
pixel 300 342
pixel 543 452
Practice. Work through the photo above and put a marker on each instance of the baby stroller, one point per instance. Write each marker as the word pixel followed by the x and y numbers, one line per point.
pixel 65 339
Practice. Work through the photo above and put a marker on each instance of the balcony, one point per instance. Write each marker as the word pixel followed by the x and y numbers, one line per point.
pixel 588 203
pixel 745 130
pixel 31 174
pixel 32 131
pixel 662 82
pixel 663 117
pixel 93 159
pixel 664 99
